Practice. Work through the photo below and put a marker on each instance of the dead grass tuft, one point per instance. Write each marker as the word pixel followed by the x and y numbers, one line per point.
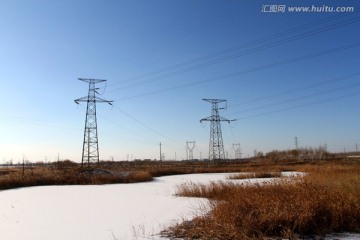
pixel 255 175
pixel 213 190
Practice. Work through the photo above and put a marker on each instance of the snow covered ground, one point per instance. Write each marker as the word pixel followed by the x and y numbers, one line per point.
pixel 101 212
pixel 118 211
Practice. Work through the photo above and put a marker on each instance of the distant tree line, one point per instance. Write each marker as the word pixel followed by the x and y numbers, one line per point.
pixel 314 154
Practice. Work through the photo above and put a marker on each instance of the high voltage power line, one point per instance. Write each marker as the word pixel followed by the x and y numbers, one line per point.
pixel 240 46
pixel 300 106
pixel 229 50
pixel 295 90
pixel 250 70
pixel 243 53
pixel 36 122
pixel 143 124
pixel 296 99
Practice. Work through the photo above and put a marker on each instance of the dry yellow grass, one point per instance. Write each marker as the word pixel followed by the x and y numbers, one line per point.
pixel 255 175
pixel 326 200
pixel 70 175
pixel 67 172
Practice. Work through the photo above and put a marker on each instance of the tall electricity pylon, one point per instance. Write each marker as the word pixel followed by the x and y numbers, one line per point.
pixel 90 153
pixel 190 145
pixel 237 149
pixel 296 141
pixel 216 145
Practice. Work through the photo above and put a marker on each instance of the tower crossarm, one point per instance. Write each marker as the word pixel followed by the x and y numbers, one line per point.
pixel 220 119
pixel 83 99
pixel 214 100
pixel 96 99
pixel 206 119
pixel 92 80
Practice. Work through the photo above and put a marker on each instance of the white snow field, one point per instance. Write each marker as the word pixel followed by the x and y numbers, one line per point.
pixel 117 211
pixel 101 212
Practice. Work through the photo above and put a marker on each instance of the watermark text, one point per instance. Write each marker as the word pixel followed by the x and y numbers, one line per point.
pixel 306 9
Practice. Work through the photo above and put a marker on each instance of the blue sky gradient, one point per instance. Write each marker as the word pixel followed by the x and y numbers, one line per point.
pixel 285 75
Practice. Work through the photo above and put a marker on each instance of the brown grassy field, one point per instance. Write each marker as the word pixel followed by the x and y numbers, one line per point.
pixel 66 174
pixel 326 200
pixel 70 173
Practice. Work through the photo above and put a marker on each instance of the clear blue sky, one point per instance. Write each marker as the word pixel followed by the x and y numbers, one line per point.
pixel 284 75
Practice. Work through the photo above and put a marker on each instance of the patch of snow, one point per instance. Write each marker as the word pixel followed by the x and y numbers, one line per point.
pixel 293 174
pixel 336 236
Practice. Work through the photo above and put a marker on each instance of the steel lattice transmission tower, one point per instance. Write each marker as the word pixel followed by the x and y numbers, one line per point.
pixel 90 153
pixel 190 145
pixel 216 144
pixel 237 148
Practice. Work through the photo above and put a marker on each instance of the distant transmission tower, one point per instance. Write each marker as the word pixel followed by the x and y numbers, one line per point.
pixel 90 153
pixel 356 148
pixel 216 145
pixel 237 149
pixel 296 141
pixel 190 145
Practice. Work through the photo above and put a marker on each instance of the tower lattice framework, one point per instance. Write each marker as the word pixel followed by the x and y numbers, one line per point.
pixel 190 145
pixel 216 144
pixel 90 152
pixel 237 148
